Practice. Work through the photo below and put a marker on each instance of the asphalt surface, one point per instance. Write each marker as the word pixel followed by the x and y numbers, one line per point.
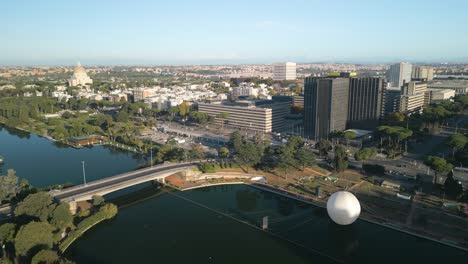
pixel 107 182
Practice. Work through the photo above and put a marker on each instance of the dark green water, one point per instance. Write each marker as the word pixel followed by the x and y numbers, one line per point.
pixel 211 225
pixel 44 162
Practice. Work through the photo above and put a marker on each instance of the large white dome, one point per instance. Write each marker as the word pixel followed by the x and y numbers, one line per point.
pixel 343 208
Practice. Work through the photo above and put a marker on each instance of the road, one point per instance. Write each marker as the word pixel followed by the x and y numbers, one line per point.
pixel 115 180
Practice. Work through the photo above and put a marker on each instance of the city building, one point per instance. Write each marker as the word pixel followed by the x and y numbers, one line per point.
pixel 422 72
pixel 247 116
pixel 284 71
pixel 141 93
pixel 365 102
pixel 325 106
pixel 435 95
pixel 399 73
pixel 255 115
pixel 79 77
pixel 391 100
pixel 298 100
pixel 460 86
pixel 412 97
pixel 244 90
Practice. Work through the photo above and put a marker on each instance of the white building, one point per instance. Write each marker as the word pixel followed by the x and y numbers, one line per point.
pixel 437 95
pixel 399 73
pixel 285 71
pixel 79 76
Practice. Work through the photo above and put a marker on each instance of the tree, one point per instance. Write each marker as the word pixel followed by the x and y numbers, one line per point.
pixel 10 185
pixel 45 256
pixel 248 155
pixel 349 135
pixel 456 141
pixel 324 146
pixel 184 109
pixel 394 119
pixel 365 153
pixel 35 235
pixel 236 141
pixel 97 200
pixel 122 116
pixel 341 159
pixel 7 233
pixel 61 216
pixel 223 154
pixel 196 152
pixel 305 157
pixel 452 187
pixel 285 158
pixel 438 164
pixel 37 205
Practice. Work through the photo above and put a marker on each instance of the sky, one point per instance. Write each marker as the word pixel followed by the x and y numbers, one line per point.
pixel 155 32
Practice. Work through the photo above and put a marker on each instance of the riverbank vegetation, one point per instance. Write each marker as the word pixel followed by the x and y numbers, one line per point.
pixel 40 227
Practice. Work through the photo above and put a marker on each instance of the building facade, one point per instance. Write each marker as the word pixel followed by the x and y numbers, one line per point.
pixel 412 97
pixel 284 71
pixel 422 72
pixel 365 102
pixel 391 100
pixel 325 106
pixel 436 95
pixel 79 77
pixel 399 73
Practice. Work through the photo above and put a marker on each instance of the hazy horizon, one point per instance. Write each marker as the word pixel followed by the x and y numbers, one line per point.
pixel 183 32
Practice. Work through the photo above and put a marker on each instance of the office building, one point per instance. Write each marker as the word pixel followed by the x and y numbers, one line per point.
pixel 365 102
pixel 254 115
pixel 460 86
pixel 284 71
pixel 412 97
pixel 325 106
pixel 79 77
pixel 436 95
pixel 391 100
pixel 422 72
pixel 399 73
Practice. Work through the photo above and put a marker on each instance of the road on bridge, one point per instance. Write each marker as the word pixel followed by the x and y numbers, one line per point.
pixel 116 180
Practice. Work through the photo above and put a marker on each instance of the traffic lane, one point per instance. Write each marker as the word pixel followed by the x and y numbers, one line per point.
pixel 117 181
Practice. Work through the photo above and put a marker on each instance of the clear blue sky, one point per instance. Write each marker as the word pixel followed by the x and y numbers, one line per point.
pixel 235 31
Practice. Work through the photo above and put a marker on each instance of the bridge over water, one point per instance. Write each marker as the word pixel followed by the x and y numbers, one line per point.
pixel 107 185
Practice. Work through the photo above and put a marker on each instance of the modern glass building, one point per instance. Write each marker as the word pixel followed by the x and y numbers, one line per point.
pixel 325 106
pixel 365 102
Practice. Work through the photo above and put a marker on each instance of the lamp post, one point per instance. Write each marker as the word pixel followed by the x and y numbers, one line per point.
pixel 84 173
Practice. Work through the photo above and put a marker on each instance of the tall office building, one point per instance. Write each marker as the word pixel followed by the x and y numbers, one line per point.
pixel 284 71
pixel 422 72
pixel 325 106
pixel 365 102
pixel 391 100
pixel 399 73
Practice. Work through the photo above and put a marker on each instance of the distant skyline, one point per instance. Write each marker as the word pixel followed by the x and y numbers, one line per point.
pixel 143 32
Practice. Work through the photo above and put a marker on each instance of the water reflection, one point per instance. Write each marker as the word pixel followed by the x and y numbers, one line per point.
pixel 247 200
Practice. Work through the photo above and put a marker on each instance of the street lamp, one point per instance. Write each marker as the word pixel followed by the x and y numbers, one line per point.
pixel 84 173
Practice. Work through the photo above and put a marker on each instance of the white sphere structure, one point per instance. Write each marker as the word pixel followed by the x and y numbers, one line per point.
pixel 343 208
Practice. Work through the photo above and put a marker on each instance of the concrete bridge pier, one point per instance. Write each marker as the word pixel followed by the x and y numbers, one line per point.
pixel 73 207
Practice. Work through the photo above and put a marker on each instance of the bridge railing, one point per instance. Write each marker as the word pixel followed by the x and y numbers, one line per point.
pixel 123 175
pixel 128 183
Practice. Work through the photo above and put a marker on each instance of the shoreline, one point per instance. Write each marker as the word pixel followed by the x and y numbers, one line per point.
pixel 115 144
